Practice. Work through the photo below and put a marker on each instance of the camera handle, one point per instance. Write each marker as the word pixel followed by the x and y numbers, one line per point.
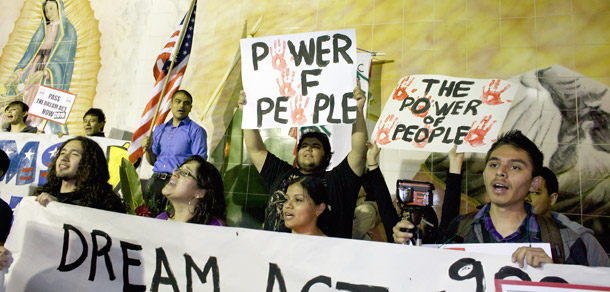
pixel 414 216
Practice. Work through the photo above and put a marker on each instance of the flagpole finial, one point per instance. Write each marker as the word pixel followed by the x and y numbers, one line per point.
pixel 256 26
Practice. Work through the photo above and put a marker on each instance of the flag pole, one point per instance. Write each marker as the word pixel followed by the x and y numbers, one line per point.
pixel 226 76
pixel 171 66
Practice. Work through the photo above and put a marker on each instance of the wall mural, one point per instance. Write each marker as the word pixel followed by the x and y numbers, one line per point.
pixel 60 37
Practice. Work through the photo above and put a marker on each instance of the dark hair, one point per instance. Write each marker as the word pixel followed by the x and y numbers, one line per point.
pixel 24 107
pixel 213 204
pixel 92 187
pixel 5 162
pixel 517 140
pixel 101 117
pixel 183 92
pixel 44 12
pixel 325 145
pixel 319 194
pixel 550 180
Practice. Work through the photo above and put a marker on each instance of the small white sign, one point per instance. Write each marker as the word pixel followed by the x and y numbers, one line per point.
pixel 52 104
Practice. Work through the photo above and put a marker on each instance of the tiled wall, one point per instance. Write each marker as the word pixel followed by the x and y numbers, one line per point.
pixel 467 38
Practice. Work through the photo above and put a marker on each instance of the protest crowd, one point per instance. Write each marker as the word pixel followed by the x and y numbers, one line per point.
pixel 349 199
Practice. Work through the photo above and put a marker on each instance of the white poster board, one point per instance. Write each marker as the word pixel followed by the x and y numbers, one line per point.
pixel 434 112
pixel 52 104
pixel 70 248
pixel 299 79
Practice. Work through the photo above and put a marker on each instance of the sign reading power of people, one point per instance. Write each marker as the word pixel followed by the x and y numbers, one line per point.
pixel 299 79
pixel 433 112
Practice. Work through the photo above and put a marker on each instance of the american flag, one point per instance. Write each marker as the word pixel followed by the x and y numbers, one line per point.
pixel 160 70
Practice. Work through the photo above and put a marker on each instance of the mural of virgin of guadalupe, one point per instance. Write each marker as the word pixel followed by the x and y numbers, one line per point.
pixel 48 59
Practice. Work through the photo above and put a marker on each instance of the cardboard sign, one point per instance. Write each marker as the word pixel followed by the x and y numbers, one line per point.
pixel 70 248
pixel 52 104
pixel 433 112
pixel 299 79
pixel 31 154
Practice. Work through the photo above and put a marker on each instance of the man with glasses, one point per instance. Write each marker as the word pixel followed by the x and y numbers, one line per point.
pixel 172 142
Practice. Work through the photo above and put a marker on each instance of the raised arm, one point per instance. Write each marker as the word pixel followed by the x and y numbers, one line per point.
pixel 374 184
pixel 254 142
pixel 453 188
pixel 356 157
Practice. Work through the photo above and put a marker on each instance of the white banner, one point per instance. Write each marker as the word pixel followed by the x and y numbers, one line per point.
pixel 70 248
pixel 433 112
pixel 31 154
pixel 299 79
pixel 52 104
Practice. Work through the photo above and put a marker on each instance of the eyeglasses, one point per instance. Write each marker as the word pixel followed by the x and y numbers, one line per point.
pixel 183 173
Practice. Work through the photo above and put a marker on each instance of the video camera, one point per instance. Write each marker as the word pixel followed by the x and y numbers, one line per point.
pixel 414 198
pixel 413 194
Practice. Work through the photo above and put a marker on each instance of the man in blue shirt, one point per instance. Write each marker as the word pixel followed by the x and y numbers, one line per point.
pixel 172 143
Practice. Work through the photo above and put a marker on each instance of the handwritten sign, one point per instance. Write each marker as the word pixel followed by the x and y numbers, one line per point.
pixel 299 79
pixel 432 113
pixel 70 248
pixel 52 104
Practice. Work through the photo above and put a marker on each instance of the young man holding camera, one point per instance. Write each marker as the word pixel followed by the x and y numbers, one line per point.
pixel 512 169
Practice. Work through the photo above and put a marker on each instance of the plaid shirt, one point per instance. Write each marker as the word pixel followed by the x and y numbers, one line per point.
pixel 528 231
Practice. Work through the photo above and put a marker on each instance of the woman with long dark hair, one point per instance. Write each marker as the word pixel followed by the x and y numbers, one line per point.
pixel 196 194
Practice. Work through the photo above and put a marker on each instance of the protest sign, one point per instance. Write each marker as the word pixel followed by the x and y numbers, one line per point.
pixel 433 112
pixel 340 136
pixel 299 79
pixel 31 154
pixel 71 248
pixel 52 104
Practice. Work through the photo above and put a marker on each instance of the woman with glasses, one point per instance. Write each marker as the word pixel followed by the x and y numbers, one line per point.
pixel 196 194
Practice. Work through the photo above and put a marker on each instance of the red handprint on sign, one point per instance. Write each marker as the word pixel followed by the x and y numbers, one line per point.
pixel 422 136
pixel 297 110
pixel 277 55
pixel 476 135
pixel 491 96
pixel 421 107
pixel 400 92
pixel 383 130
pixel 284 83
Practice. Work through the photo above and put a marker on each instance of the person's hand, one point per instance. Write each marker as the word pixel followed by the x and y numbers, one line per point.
pixel 146 143
pixel 359 95
pixel 242 100
pixel 533 255
pixel 372 154
pixel 45 198
pixel 455 160
pixel 402 236
pixel 5 258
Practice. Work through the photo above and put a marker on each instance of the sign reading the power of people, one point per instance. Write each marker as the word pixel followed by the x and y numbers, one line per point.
pixel 433 112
